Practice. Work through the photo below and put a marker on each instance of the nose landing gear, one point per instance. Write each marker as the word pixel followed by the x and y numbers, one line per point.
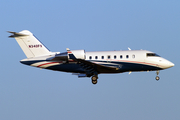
pixel 157 77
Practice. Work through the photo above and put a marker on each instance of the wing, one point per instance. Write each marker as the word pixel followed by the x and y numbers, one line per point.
pixel 92 68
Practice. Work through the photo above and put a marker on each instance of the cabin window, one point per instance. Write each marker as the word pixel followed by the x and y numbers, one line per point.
pixel 90 57
pixel 152 55
pixel 127 56
pixel 109 57
pixel 115 57
pixel 121 56
pixel 102 57
pixel 133 56
pixel 96 57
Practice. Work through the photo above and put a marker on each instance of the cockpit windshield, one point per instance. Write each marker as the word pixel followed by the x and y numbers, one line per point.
pixel 152 55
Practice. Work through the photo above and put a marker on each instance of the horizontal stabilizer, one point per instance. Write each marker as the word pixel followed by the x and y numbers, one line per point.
pixel 15 34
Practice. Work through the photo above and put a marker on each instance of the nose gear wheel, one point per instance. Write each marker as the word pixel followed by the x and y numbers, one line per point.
pixel 157 78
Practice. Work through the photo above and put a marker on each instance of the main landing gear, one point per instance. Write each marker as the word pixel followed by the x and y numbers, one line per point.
pixel 94 79
pixel 157 77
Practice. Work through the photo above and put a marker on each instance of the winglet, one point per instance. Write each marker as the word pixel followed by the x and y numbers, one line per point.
pixel 68 50
pixel 129 48
pixel 70 54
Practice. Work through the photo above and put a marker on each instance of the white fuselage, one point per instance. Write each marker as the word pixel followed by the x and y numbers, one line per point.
pixel 123 61
pixel 131 56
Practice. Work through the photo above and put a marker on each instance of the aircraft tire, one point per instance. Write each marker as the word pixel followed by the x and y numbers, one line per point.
pixel 94 79
pixel 157 78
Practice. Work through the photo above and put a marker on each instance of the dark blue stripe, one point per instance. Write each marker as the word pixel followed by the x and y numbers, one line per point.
pixel 73 67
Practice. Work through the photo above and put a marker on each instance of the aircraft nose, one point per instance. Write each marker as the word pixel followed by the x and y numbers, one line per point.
pixel 167 64
pixel 171 64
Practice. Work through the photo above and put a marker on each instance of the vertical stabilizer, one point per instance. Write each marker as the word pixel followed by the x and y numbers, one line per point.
pixel 30 45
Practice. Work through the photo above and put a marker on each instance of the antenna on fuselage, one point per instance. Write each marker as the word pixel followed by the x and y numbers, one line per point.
pixel 129 48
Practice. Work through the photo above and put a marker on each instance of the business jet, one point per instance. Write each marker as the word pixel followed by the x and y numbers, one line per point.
pixel 88 64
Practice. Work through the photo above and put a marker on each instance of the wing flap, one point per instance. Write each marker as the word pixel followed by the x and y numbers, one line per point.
pixel 97 67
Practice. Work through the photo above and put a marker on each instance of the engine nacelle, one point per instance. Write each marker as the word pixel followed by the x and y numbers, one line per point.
pixel 79 54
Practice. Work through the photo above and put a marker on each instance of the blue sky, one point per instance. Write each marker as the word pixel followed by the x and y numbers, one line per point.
pixel 94 25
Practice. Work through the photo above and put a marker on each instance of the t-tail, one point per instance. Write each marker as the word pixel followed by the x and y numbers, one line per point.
pixel 30 45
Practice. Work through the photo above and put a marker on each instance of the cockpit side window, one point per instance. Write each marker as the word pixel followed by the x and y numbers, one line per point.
pixel 152 55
